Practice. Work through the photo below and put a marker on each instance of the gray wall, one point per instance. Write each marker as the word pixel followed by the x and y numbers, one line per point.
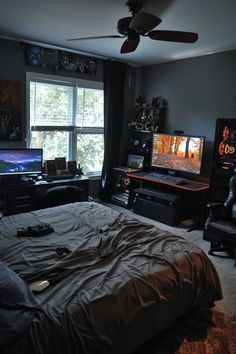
pixel 198 90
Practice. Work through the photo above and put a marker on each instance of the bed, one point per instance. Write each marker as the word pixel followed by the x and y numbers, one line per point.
pixel 114 282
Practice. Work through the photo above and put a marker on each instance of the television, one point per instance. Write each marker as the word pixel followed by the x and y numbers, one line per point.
pixel 225 146
pixel 177 153
pixel 14 162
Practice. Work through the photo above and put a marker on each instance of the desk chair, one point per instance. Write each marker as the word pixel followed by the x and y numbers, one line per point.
pixel 61 195
pixel 220 226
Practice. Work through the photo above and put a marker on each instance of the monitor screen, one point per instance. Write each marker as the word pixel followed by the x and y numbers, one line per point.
pixel 20 161
pixel 225 146
pixel 177 152
pixel 135 161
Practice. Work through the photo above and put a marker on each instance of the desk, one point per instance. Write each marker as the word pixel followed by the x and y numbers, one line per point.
pixel 190 185
pixel 165 202
pixel 23 197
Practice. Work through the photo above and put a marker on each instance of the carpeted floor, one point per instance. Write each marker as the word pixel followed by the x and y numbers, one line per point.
pixel 207 331
pixel 203 332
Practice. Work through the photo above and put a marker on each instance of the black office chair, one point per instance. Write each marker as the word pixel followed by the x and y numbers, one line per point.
pixel 61 195
pixel 220 226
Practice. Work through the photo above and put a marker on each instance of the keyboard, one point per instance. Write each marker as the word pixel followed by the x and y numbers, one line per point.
pixel 60 177
pixel 166 178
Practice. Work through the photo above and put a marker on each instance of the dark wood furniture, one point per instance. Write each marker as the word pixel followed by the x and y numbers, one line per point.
pixel 166 202
pixel 23 197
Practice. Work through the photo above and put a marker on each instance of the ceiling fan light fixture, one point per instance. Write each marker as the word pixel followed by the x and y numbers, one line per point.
pixel 133 36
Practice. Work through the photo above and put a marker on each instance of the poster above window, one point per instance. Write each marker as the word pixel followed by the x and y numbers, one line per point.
pixel 10 110
pixel 59 60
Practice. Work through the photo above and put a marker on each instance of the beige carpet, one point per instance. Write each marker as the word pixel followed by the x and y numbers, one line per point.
pixel 208 331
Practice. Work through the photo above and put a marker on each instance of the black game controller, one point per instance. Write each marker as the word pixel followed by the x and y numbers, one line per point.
pixel 34 231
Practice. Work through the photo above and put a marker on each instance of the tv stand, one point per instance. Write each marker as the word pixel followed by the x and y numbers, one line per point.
pixel 164 201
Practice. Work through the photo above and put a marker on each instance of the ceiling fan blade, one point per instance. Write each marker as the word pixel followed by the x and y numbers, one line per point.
pixel 174 36
pixel 144 22
pixel 96 37
pixel 129 46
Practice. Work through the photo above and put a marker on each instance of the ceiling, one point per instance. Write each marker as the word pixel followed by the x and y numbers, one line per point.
pixel 51 22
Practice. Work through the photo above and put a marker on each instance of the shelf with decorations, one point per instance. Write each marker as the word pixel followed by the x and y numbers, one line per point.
pixel 148 117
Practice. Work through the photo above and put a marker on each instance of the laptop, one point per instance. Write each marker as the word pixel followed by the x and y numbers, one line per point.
pixel 134 163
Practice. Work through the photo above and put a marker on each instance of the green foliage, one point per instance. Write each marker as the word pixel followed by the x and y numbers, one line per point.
pixel 51 107
pixel 90 149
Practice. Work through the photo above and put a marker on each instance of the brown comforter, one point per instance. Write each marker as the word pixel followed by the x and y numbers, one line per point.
pixel 121 282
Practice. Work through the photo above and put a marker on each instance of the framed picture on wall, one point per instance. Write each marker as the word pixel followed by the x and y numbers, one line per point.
pixel 10 111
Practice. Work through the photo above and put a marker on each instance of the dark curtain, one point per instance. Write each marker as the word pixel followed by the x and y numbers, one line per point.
pixel 114 87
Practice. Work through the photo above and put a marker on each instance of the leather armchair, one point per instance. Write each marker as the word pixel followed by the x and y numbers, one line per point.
pixel 220 226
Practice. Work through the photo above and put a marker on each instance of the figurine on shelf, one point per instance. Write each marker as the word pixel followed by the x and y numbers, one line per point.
pixel 140 100
pixel 148 117
pixel 159 102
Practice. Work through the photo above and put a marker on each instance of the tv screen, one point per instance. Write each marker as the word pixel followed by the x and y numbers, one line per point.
pixel 225 146
pixel 177 152
pixel 20 161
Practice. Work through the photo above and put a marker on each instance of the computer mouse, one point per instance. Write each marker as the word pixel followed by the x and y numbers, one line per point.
pixel 38 286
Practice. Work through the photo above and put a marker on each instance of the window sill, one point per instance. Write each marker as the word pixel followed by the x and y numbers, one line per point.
pixel 95 175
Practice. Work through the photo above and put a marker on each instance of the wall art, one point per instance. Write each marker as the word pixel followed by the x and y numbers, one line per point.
pixel 59 60
pixel 10 111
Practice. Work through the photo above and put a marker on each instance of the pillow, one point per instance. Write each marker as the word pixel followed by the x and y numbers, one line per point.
pixel 17 305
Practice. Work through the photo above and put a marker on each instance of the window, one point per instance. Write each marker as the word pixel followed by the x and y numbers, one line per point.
pixel 66 119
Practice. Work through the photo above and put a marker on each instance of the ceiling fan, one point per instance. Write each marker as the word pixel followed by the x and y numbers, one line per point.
pixel 142 24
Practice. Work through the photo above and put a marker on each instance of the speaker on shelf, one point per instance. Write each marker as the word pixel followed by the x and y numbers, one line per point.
pixel 60 163
pixel 71 166
pixel 50 167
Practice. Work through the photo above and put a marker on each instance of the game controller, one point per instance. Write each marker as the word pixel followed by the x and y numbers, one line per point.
pixel 34 231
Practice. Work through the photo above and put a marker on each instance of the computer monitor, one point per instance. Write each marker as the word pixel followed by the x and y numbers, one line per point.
pixel 135 161
pixel 177 153
pixel 20 162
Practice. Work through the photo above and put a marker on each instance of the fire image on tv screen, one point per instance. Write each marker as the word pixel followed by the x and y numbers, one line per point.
pixel 20 161
pixel 177 152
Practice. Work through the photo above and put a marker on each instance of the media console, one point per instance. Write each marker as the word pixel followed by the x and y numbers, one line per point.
pixel 166 202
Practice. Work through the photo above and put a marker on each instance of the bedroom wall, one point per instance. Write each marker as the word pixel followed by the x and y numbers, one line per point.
pixel 198 90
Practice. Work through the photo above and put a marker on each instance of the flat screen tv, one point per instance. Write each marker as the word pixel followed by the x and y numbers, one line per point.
pixel 225 146
pixel 177 153
pixel 20 161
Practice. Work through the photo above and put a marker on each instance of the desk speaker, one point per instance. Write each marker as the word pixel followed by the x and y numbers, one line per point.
pixel 71 166
pixel 50 167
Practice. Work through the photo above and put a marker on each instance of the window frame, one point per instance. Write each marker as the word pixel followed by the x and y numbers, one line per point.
pixel 73 130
